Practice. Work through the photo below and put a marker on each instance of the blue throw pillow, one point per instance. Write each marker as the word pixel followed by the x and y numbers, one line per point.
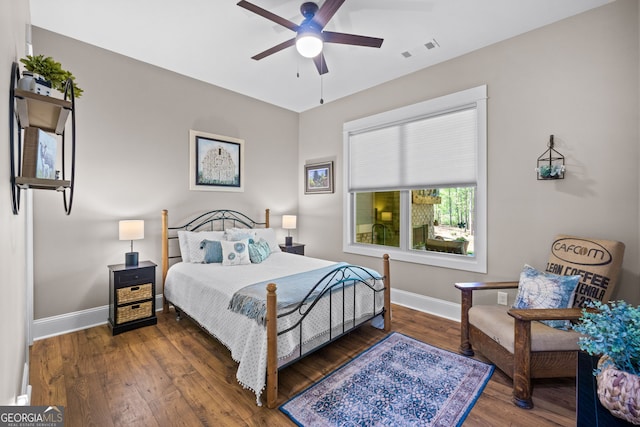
pixel 258 251
pixel 538 289
pixel 212 251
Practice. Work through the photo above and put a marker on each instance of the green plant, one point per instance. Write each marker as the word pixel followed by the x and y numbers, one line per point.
pixel 51 70
pixel 613 330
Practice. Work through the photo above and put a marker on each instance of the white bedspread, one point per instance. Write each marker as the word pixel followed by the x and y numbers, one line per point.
pixel 203 291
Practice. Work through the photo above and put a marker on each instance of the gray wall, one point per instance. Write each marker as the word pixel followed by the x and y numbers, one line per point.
pixel 576 79
pixel 14 16
pixel 133 124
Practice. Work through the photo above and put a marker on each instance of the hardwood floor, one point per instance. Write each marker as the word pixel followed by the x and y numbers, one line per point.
pixel 173 374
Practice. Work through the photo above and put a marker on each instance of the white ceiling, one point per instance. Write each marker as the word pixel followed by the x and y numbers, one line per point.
pixel 214 40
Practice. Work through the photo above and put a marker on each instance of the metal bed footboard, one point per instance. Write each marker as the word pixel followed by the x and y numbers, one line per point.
pixel 333 287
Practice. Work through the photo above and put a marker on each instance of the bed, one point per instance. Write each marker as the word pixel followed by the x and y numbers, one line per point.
pixel 269 312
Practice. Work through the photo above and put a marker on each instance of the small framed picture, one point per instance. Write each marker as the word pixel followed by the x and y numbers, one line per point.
pixel 318 178
pixel 216 163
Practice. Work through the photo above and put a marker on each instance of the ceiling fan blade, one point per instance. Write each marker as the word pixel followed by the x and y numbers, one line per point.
pixel 321 64
pixel 276 48
pixel 326 12
pixel 270 16
pixel 353 39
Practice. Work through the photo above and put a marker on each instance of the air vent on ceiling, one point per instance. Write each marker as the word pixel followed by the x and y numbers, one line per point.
pixel 432 44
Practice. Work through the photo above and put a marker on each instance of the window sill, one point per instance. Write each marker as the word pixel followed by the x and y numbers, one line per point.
pixel 436 259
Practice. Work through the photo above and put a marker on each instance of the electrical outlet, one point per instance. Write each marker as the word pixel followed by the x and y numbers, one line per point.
pixel 502 298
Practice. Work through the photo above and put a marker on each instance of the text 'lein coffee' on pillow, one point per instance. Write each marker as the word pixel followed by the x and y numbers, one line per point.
pixel 538 289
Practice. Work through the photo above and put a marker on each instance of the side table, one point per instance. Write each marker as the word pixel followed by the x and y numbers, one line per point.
pixel 589 410
pixel 295 248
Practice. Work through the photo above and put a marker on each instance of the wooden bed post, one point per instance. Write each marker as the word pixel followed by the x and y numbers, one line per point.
pixel 165 256
pixel 272 347
pixel 266 216
pixel 387 293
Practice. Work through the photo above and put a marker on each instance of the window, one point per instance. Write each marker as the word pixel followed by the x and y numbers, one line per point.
pixel 416 182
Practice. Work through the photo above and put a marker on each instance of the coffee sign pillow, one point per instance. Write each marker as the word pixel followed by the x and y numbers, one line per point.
pixel 596 261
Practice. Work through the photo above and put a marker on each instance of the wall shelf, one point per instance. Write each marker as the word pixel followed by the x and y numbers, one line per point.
pixel 44 112
pixel 42 184
pixel 49 114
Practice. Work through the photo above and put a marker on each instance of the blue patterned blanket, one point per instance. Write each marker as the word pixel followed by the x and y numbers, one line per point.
pixel 293 289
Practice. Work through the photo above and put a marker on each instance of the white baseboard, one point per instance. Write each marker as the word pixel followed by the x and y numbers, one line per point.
pixel 448 310
pixel 70 322
pixel 24 399
pixel 78 320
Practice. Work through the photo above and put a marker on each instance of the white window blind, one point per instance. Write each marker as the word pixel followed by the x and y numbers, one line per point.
pixel 425 152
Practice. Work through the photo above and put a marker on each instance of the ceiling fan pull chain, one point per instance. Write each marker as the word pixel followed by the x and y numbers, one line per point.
pixel 321 89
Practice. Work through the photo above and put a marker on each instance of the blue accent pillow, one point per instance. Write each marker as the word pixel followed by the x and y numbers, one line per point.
pixel 212 251
pixel 258 251
pixel 538 289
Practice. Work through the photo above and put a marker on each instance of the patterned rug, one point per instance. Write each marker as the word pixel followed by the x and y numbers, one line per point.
pixel 398 382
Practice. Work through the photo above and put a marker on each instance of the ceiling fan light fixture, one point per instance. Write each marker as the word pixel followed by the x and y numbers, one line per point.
pixel 309 44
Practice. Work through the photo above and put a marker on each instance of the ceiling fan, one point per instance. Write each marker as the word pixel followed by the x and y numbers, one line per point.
pixel 310 36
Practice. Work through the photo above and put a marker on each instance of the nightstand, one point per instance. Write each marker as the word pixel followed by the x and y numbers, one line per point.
pixel 132 296
pixel 296 248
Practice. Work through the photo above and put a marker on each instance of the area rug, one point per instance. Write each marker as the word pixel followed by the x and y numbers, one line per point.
pixel 399 381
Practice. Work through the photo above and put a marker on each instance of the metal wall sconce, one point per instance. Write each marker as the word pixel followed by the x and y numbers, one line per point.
pixel 550 163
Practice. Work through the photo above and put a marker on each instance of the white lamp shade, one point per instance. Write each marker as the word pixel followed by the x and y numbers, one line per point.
pixel 309 44
pixel 131 229
pixel 289 222
pixel 386 216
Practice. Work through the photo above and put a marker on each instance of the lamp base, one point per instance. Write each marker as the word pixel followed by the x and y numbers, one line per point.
pixel 288 241
pixel 131 259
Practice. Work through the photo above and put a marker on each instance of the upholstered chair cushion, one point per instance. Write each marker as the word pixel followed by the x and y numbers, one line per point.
pixel 494 321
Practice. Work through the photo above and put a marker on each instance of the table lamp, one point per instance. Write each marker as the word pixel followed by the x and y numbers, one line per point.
pixel 288 223
pixel 131 229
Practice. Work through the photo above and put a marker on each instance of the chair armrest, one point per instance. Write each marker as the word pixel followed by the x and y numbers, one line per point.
pixel 479 286
pixel 529 314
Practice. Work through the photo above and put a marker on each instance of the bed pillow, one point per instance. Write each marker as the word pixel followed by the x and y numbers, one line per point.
pixel 235 252
pixel 269 235
pixel 258 250
pixel 212 251
pixel 189 241
pixel 235 234
pixel 538 289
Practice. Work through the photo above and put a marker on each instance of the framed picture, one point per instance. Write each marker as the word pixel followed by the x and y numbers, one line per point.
pixel 318 178
pixel 216 163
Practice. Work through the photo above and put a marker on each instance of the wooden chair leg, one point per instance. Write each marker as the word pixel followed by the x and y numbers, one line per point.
pixel 465 344
pixel 522 388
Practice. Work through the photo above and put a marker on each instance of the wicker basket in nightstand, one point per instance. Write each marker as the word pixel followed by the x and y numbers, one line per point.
pixel 132 296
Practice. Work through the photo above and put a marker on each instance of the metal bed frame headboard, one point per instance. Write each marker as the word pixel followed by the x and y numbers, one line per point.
pixel 200 223
pixel 221 216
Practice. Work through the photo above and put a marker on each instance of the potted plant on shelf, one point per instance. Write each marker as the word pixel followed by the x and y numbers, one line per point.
pixel 613 332
pixel 50 71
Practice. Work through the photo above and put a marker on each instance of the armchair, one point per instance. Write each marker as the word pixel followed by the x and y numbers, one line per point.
pixel 515 340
